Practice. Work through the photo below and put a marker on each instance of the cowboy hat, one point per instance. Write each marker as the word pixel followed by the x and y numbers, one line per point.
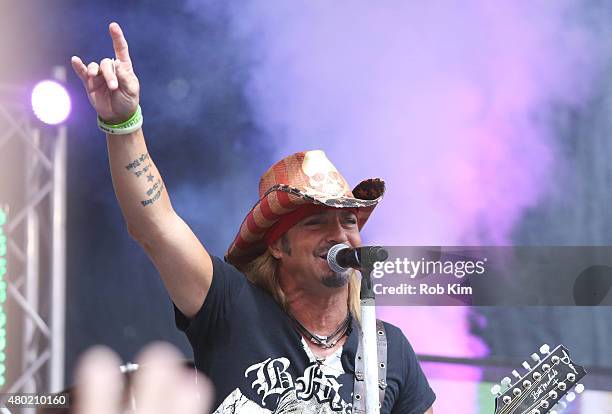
pixel 299 179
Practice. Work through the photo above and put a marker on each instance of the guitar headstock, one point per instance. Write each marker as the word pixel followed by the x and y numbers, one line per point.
pixel 543 387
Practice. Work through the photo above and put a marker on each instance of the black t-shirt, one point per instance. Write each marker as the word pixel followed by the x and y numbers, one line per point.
pixel 259 363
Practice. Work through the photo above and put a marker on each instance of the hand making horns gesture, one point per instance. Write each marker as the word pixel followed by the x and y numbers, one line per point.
pixel 112 86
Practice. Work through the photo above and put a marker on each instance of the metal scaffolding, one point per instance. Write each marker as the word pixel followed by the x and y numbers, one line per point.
pixel 33 180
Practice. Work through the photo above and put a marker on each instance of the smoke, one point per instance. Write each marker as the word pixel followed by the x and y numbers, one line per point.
pixel 457 105
pixel 451 103
pixel 448 101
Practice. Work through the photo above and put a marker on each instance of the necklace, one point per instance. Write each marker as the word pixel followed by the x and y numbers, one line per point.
pixel 328 341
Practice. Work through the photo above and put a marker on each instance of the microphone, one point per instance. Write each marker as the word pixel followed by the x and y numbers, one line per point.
pixel 342 257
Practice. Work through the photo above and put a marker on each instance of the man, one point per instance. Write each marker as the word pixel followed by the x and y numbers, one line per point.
pixel 284 338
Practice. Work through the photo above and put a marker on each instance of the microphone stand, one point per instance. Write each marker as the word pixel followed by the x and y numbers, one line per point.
pixel 364 258
pixel 370 349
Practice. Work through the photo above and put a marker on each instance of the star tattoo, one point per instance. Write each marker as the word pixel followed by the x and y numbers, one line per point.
pixel 150 177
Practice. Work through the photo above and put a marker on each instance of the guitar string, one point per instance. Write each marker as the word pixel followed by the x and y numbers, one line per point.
pixel 537 403
pixel 513 405
pixel 524 395
pixel 521 398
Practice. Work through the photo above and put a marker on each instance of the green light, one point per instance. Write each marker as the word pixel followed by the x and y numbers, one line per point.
pixel 3 289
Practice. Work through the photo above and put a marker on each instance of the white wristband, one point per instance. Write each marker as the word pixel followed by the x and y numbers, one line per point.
pixel 131 125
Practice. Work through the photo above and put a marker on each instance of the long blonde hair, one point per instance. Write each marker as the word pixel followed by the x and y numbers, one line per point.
pixel 262 271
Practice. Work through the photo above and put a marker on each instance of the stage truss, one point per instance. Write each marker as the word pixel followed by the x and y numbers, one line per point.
pixel 34 193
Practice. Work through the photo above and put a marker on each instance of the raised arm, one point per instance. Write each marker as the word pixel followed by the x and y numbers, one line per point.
pixel 183 263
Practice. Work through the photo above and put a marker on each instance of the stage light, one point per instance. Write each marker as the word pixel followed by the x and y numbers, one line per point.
pixel 50 102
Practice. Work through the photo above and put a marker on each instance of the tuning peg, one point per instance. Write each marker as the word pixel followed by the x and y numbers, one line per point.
pixel 570 396
pixel 496 389
pixel 535 357
pixel 516 374
pixel 579 389
pixel 561 405
pixel 545 349
pixel 526 366
pixel 506 382
pixel 558 408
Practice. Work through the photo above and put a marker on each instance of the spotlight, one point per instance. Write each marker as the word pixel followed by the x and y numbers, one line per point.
pixel 50 102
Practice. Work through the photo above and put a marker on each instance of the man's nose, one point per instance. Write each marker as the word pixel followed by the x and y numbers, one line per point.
pixel 336 233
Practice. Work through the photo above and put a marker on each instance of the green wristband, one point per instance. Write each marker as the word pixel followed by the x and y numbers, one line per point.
pixel 134 123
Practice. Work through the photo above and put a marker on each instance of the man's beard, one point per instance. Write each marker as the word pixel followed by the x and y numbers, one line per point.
pixel 336 280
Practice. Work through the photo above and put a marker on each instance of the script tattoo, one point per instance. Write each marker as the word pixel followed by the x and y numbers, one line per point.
pixel 159 186
pixel 138 167
pixel 134 164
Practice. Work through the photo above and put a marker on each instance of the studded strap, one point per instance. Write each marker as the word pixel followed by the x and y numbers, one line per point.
pixel 359 386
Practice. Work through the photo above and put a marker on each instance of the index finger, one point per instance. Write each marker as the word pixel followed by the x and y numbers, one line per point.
pixel 79 68
pixel 119 43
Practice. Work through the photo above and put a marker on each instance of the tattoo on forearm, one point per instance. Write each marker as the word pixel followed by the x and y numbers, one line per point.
pixel 143 171
pixel 155 191
pixel 152 189
pixel 134 164
pixel 155 195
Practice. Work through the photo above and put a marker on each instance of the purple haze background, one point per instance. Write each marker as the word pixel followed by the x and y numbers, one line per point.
pixel 448 101
pixel 458 105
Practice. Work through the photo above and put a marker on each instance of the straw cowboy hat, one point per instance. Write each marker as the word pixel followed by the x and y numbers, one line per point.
pixel 295 183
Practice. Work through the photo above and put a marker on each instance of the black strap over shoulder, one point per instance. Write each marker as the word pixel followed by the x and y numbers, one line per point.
pixel 359 387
